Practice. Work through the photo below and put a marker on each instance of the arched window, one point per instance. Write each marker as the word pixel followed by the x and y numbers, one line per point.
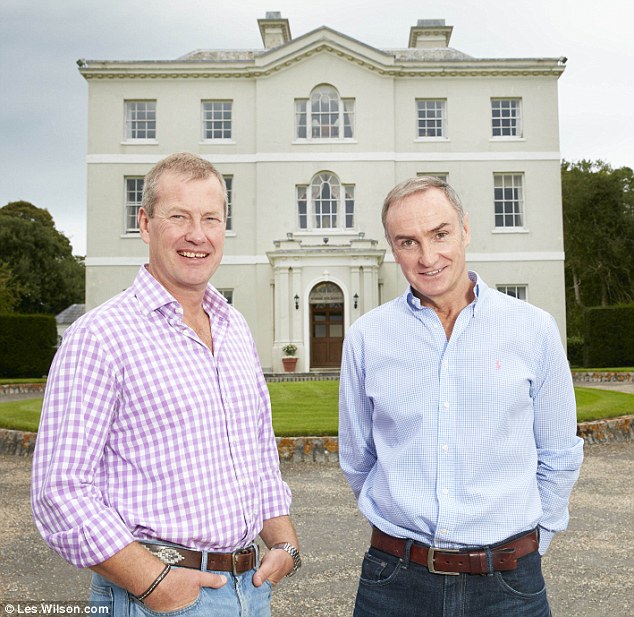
pixel 325 203
pixel 324 116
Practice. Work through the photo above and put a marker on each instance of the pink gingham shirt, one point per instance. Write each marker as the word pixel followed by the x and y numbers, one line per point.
pixel 146 434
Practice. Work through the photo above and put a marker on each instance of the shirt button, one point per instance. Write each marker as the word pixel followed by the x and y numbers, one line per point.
pixel 445 448
pixel 445 491
pixel 446 404
pixel 444 532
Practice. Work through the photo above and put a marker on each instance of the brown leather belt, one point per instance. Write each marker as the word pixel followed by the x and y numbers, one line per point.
pixel 445 561
pixel 238 562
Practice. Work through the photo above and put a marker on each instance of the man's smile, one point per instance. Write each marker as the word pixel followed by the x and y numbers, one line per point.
pixel 192 255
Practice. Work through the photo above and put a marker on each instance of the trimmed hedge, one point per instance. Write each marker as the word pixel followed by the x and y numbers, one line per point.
pixel 575 351
pixel 609 336
pixel 27 344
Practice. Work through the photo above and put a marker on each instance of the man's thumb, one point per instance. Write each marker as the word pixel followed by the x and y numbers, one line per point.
pixel 209 579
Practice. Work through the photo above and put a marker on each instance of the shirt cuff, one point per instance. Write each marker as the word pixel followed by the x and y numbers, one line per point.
pixel 545 538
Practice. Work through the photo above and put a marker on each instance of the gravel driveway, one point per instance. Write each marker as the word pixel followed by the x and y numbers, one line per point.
pixel 589 568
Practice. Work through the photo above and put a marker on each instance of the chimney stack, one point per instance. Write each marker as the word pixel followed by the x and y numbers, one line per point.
pixel 430 33
pixel 275 31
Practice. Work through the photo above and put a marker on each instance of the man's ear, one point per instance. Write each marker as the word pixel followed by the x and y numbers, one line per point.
pixel 466 229
pixel 144 223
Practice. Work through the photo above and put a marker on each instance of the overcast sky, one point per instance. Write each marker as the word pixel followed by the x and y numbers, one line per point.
pixel 43 98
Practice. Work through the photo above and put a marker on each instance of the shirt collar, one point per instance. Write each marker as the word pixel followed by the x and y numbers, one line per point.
pixel 152 296
pixel 480 289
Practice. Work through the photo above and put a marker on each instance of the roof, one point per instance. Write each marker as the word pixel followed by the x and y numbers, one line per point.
pixel 70 314
pixel 399 62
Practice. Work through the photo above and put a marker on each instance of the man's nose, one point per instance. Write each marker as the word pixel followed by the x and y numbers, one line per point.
pixel 427 254
pixel 195 232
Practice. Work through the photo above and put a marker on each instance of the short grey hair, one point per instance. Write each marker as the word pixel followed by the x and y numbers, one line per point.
pixel 191 166
pixel 420 184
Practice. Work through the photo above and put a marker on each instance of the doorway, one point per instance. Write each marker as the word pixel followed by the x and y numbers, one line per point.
pixel 326 326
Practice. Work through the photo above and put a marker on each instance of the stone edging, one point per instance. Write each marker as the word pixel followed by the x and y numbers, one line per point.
pixel 326 449
pixel 602 377
pixel 22 388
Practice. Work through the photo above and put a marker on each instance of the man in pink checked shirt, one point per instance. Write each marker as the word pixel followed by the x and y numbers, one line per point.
pixel 156 465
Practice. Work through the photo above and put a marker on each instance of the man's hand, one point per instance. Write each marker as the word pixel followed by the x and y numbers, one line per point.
pixel 180 588
pixel 276 564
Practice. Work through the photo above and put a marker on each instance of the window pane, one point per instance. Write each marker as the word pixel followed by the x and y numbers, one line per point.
pixel 508 196
pixel 349 193
pixel 228 294
pixel 324 104
pixel 517 291
pixel 336 330
pixel 134 192
pixel 325 196
pixel 217 119
pixel 320 331
pixel 431 117
pixel 302 210
pixel 229 183
pixel 140 119
pixel 348 118
pixel 505 117
pixel 300 118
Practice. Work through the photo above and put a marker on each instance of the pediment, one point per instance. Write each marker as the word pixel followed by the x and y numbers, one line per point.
pixel 324 40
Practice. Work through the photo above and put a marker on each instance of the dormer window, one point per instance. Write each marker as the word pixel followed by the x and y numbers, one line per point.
pixel 324 116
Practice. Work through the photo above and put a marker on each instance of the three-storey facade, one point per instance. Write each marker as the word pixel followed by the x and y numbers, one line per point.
pixel 311 133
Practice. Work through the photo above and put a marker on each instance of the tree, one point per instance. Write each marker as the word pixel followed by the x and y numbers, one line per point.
pixel 598 210
pixel 8 290
pixel 43 275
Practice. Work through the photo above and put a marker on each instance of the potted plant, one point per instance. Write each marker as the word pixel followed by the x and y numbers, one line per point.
pixel 289 360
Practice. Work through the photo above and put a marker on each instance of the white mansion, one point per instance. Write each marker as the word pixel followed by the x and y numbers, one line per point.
pixel 311 133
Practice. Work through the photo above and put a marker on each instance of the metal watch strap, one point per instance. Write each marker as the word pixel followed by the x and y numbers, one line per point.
pixel 293 552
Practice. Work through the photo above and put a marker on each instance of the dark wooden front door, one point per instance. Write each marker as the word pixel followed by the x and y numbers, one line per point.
pixel 326 335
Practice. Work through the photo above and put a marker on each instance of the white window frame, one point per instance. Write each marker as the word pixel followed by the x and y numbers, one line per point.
pixel 516 291
pixel 217 112
pixel 421 106
pixel 131 207
pixel 229 184
pixel 444 175
pixel 507 205
pixel 136 113
pixel 309 122
pixel 228 294
pixel 313 209
pixel 506 118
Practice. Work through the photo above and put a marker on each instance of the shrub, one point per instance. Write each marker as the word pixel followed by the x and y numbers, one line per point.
pixel 609 336
pixel 27 344
pixel 575 351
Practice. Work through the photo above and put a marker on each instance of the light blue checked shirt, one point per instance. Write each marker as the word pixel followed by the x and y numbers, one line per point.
pixel 463 442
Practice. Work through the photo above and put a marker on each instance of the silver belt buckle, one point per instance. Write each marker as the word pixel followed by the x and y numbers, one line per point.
pixel 431 552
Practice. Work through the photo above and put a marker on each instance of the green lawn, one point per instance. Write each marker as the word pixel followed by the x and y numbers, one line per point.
pixel 594 404
pixel 310 408
pixel 304 407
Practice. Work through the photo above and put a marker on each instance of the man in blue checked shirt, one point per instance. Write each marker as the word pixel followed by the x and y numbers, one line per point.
pixel 457 428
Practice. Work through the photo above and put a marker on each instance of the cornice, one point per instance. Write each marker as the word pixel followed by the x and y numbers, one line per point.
pixel 104 70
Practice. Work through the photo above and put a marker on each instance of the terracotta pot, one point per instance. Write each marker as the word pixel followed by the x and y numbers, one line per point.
pixel 289 364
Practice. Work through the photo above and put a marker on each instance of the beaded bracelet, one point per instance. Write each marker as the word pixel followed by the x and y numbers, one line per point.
pixel 155 584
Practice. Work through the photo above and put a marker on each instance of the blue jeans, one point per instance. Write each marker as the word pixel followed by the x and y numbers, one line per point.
pixel 237 598
pixel 393 587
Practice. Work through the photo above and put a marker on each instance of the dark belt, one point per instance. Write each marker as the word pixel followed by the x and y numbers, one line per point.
pixel 238 562
pixel 445 561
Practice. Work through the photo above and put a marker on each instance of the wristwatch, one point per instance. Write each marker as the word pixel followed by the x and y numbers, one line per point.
pixel 293 552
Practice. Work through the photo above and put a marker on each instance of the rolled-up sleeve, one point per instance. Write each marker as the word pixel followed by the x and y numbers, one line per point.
pixel 81 397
